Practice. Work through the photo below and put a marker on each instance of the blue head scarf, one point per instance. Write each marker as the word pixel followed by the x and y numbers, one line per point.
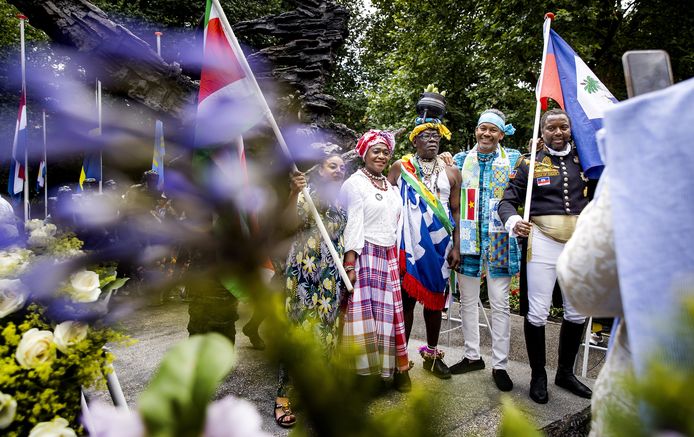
pixel 496 120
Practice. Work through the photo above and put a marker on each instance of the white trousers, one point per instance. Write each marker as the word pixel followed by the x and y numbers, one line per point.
pixel 498 290
pixel 542 274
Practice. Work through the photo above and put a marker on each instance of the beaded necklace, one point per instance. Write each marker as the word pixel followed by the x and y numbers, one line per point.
pixel 383 186
pixel 430 170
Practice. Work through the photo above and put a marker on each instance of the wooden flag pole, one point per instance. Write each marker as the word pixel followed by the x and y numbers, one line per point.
pixel 536 126
pixel 280 139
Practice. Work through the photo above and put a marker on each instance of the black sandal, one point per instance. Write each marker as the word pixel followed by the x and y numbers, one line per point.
pixel 286 410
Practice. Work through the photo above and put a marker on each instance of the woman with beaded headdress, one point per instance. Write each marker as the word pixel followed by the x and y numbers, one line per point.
pixel 373 320
pixel 430 202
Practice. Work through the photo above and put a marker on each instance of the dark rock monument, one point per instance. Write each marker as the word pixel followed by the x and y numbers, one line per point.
pixel 308 40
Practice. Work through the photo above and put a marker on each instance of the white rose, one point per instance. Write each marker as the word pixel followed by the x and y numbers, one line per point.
pixel 35 348
pixel 38 238
pixel 232 417
pixel 13 294
pixel 8 408
pixel 85 286
pixel 10 263
pixel 33 224
pixel 68 334
pixel 50 229
pixel 58 427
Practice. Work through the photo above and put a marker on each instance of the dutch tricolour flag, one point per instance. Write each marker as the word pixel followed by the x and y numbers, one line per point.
pixel 227 103
pixel 16 182
pixel 570 83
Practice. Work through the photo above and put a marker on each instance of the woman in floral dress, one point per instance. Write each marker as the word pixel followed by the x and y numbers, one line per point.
pixel 313 284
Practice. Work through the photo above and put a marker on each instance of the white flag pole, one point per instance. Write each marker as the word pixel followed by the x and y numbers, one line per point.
pixel 45 167
pixel 160 183
pixel 158 35
pixel 101 153
pixel 536 126
pixel 280 139
pixel 22 18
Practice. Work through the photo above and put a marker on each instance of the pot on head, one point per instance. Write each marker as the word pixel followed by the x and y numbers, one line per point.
pixel 431 105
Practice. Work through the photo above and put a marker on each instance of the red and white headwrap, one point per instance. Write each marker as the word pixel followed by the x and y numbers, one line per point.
pixel 373 137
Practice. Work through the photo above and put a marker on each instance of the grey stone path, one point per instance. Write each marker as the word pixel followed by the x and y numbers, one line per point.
pixel 473 402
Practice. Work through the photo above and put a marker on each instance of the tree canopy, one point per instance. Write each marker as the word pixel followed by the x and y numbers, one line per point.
pixel 487 54
pixel 483 53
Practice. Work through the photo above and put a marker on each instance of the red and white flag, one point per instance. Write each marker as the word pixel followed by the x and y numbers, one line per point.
pixel 228 104
pixel 16 182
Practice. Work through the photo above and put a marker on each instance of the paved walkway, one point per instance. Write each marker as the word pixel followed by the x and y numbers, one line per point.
pixel 473 401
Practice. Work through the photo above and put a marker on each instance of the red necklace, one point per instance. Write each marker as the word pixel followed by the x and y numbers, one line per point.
pixel 376 179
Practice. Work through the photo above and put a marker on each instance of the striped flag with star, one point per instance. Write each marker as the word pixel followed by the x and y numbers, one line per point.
pixel 469 203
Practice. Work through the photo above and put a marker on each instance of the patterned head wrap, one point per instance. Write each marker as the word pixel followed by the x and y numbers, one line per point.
pixel 422 124
pixel 373 137
pixel 496 120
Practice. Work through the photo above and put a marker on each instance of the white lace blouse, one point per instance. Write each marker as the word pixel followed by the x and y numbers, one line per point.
pixel 372 214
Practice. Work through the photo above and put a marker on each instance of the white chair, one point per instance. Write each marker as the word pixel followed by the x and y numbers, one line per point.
pixel 587 347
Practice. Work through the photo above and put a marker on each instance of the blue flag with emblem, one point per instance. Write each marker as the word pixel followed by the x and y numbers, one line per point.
pixel 423 245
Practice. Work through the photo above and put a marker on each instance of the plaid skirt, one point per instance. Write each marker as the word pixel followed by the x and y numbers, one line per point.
pixel 374 326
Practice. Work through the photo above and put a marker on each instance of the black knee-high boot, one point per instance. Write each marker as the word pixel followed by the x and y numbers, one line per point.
pixel 569 341
pixel 535 344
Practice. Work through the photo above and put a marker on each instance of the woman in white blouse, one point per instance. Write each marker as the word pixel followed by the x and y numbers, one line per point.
pixel 374 324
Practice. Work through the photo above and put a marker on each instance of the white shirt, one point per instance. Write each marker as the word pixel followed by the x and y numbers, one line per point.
pixel 368 218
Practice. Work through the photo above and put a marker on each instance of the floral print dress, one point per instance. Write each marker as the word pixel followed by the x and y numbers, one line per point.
pixel 314 288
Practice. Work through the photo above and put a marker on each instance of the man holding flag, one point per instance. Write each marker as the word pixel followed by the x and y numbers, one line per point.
pixel 560 193
pixel 552 188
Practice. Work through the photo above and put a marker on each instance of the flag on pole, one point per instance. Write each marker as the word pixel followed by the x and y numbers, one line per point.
pixel 16 182
pixel 227 102
pixel 41 178
pixel 569 82
pixel 159 152
pixel 91 167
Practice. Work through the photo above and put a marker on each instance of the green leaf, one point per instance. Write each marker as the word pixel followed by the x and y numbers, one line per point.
pixel 514 422
pixel 176 400
pixel 115 285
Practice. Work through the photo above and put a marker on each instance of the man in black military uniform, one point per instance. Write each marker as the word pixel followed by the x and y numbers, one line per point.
pixel 560 192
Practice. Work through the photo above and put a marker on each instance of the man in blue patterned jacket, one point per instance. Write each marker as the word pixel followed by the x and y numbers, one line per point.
pixel 485 246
